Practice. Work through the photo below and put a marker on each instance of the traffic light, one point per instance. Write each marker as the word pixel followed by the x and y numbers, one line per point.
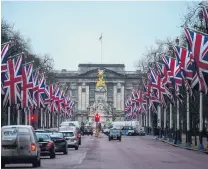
pixel 97 117
pixel 32 120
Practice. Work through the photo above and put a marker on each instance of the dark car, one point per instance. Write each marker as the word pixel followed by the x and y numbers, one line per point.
pixel 88 130
pixel 114 134
pixel 60 142
pixel 47 145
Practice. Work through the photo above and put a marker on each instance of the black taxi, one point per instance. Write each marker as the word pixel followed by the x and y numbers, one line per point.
pixel 114 134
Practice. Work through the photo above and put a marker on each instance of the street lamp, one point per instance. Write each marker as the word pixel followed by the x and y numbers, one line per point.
pixel 177 41
pixel 201 16
pixel 201 27
pixel 88 112
pixel 82 119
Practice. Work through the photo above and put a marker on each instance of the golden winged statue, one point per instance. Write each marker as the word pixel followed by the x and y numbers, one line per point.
pixel 100 81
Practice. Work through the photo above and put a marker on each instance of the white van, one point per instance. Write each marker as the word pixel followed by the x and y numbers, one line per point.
pixel 70 123
pixel 19 145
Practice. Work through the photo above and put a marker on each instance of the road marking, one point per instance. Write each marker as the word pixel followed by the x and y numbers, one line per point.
pixel 81 160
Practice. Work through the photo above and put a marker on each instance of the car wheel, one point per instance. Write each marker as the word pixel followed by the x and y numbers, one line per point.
pixel 39 162
pixel 66 151
pixel 129 134
pixel 36 162
pixel 53 155
pixel 2 164
pixel 76 148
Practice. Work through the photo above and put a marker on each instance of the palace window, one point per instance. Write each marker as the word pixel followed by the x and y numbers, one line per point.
pixel 92 92
pixel 73 92
pixel 110 90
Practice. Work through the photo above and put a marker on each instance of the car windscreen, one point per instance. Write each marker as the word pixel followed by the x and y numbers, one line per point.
pixel 115 131
pixel 11 133
pixel 68 134
pixel 60 135
pixel 43 136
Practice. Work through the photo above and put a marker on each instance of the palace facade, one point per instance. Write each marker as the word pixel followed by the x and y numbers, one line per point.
pixel 105 93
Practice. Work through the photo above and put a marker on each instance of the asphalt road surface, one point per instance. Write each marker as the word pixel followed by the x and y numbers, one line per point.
pixel 131 153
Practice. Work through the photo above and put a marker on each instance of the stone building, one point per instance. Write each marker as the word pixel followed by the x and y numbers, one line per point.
pixel 108 99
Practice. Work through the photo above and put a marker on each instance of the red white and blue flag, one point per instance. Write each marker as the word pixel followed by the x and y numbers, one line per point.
pixel 39 95
pixel 12 84
pixel 27 85
pixel 4 58
pixel 198 45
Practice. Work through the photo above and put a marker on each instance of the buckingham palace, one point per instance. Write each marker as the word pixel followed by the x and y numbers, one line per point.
pixel 99 88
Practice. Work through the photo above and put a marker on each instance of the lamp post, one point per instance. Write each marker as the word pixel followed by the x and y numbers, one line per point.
pixel 201 27
pixel 88 113
pixel 82 120
pixel 113 113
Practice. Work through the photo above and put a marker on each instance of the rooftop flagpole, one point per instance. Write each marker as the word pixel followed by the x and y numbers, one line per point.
pixel 101 47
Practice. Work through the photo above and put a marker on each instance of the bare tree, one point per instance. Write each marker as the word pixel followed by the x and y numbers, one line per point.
pixel 44 63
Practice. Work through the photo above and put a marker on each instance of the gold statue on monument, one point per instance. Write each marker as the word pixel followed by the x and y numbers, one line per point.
pixel 100 81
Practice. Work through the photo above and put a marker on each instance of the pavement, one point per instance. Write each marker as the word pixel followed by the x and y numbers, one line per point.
pixel 183 145
pixel 133 152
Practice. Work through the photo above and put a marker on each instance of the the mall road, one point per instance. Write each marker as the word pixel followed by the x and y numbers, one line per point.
pixel 133 152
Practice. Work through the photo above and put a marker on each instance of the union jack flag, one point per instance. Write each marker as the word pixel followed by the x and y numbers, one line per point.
pixel 40 92
pixel 142 102
pixel 127 103
pixel 61 100
pixel 4 57
pixel 35 76
pixel 49 100
pixel 187 65
pixel 173 69
pixel 164 74
pixel 157 84
pixel 56 98
pixel 66 106
pixel 198 44
pixel 149 93
pixel 13 82
pixel 72 107
pixel 27 85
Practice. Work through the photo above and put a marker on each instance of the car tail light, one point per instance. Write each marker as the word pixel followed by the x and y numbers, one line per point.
pixel 49 144
pixel 33 147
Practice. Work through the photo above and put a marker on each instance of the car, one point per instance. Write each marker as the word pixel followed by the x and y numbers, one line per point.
pixel 128 130
pixel 114 134
pixel 71 138
pixel 19 144
pixel 47 145
pixel 88 130
pixel 141 132
pixel 60 142
pixel 40 131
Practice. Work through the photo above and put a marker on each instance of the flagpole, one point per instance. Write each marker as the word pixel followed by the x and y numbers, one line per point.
pixel 101 54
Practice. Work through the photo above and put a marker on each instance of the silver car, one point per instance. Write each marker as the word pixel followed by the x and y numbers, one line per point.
pixel 71 138
pixel 19 145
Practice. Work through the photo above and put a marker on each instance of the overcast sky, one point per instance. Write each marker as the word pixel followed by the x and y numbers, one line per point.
pixel 69 31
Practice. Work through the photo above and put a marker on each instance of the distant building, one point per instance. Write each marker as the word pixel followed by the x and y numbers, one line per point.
pixel 108 101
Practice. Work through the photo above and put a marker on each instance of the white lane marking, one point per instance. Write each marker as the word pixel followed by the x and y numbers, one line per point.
pixel 80 161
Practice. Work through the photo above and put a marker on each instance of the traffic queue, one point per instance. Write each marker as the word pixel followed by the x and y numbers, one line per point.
pixel 21 144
